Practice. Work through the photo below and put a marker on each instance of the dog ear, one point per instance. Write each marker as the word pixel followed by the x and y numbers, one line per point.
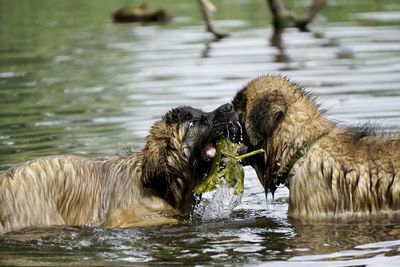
pixel 177 115
pixel 172 116
pixel 154 165
pixel 265 115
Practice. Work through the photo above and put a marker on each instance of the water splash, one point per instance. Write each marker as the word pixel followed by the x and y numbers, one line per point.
pixel 217 204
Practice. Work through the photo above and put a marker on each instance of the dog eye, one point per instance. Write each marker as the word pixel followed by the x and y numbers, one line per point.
pixel 191 124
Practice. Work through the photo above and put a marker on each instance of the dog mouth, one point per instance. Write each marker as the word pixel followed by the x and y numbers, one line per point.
pixel 209 151
pixel 204 152
pixel 232 131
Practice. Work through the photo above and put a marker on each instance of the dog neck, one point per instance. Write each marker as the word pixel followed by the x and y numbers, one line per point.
pixel 283 172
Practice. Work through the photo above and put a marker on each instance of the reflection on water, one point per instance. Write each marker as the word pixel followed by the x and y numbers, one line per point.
pixel 73 82
pixel 245 238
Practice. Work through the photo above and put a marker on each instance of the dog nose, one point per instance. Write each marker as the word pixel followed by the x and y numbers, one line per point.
pixel 227 107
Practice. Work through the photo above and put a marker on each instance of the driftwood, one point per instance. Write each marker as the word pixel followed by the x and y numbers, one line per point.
pixel 207 8
pixel 282 17
pixel 140 13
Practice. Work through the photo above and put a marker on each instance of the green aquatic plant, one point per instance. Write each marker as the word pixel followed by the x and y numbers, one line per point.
pixel 226 168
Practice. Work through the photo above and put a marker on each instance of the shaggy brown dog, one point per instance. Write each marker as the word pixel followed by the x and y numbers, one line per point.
pixel 146 188
pixel 330 170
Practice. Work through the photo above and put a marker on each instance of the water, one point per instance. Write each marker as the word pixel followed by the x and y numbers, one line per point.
pixel 217 204
pixel 73 82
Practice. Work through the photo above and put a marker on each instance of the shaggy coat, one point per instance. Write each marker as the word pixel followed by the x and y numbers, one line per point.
pixel 147 188
pixel 330 170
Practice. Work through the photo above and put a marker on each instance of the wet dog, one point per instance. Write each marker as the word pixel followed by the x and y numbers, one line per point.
pixel 330 170
pixel 147 188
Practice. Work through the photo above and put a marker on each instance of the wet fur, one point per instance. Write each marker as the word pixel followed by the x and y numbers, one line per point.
pixel 147 188
pixel 343 172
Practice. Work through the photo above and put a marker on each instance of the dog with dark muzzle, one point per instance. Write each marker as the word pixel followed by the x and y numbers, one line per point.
pixel 151 187
pixel 332 171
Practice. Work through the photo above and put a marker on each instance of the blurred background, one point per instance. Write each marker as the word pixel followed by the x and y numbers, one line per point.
pixel 72 81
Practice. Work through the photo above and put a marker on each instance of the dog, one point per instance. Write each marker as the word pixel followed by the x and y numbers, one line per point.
pixel 332 171
pixel 151 187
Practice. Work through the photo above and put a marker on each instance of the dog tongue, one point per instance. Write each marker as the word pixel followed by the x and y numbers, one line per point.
pixel 210 151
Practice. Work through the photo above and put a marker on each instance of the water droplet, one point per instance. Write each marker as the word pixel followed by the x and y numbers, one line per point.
pixel 240 131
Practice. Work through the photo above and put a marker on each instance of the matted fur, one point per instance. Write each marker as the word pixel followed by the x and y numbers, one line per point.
pixel 331 170
pixel 146 188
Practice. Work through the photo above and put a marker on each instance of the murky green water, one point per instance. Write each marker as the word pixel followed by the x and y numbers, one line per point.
pixel 73 82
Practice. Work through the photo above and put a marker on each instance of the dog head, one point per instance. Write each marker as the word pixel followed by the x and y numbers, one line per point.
pixel 180 148
pixel 278 116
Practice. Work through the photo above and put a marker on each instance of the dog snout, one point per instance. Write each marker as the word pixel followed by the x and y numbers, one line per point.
pixel 227 107
pixel 224 114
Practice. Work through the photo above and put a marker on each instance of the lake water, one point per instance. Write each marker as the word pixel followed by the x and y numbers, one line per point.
pixel 73 82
